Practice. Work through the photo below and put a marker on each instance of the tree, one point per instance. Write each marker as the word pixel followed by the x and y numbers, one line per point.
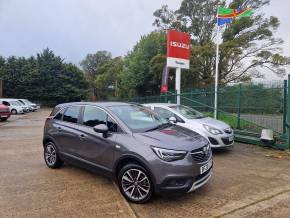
pixel 248 43
pixel 92 62
pixel 46 79
pixel 142 66
pixel 106 82
pixel 91 65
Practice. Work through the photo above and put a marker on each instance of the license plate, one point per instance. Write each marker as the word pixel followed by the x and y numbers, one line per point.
pixel 206 167
pixel 4 116
pixel 231 138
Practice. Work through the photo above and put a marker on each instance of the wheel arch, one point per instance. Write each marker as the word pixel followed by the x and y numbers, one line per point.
pixel 131 158
pixel 47 139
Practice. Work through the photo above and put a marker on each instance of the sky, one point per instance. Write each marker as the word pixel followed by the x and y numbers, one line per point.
pixel 74 28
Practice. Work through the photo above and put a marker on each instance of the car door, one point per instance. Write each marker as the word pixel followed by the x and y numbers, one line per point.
pixel 68 131
pixel 95 147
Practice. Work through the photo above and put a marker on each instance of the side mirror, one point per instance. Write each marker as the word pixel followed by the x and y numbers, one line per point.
pixel 101 128
pixel 172 120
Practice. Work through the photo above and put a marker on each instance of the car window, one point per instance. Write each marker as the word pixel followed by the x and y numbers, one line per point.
pixel 112 125
pixel 59 115
pixel 187 112
pixel 15 103
pixel 137 118
pixel 6 103
pixel 94 116
pixel 164 113
pixel 71 114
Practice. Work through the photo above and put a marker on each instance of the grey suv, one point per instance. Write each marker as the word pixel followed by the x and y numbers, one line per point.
pixel 141 151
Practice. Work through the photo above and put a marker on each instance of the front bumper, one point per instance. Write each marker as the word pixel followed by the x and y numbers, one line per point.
pixel 182 179
pixel 5 115
pixel 201 181
pixel 221 141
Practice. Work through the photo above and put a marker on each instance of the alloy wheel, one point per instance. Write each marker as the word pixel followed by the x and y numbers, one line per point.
pixel 50 155
pixel 135 184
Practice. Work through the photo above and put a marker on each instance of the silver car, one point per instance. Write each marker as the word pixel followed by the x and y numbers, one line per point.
pixel 141 151
pixel 218 133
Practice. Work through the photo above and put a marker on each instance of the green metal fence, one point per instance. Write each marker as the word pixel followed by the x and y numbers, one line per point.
pixel 248 108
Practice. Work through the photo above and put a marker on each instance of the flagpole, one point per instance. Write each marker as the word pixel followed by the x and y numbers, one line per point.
pixel 216 72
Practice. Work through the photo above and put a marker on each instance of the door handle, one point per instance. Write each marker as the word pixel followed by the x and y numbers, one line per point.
pixel 59 129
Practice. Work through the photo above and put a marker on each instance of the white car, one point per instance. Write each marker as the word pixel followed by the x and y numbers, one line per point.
pixel 32 106
pixel 14 106
pixel 218 133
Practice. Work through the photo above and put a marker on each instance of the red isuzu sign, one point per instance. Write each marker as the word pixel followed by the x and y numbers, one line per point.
pixel 178 49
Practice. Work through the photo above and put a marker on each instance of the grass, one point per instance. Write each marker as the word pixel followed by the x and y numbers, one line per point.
pixel 233 121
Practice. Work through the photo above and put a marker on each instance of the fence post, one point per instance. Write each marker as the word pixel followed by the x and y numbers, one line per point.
pixel 284 106
pixel 217 106
pixel 166 97
pixel 239 107
pixel 1 88
pixel 288 114
pixel 191 97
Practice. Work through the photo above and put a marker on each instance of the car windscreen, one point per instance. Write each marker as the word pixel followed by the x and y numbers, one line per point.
pixel 27 102
pixel 137 118
pixel 187 112
pixel 21 103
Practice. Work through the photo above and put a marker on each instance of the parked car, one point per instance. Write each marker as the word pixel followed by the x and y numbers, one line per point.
pixel 25 107
pixel 143 152
pixel 218 133
pixel 32 106
pixel 14 106
pixel 4 112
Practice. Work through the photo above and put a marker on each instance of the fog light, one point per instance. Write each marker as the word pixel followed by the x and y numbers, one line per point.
pixel 176 182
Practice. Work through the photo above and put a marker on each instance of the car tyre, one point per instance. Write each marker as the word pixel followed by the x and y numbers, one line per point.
pixel 4 118
pixel 135 183
pixel 13 111
pixel 51 156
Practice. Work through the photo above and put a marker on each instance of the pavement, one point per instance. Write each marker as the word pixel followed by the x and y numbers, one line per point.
pixel 248 181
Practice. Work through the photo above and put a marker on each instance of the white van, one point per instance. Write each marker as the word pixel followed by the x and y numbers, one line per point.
pixel 15 107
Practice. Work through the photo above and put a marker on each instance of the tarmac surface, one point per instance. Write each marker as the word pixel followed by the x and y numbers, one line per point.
pixel 248 181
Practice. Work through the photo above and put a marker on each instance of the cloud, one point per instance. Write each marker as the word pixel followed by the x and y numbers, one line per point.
pixel 74 28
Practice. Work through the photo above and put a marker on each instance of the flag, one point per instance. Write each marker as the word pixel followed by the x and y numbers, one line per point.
pixel 226 15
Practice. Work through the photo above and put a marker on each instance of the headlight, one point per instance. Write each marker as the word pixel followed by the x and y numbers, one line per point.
pixel 212 130
pixel 169 155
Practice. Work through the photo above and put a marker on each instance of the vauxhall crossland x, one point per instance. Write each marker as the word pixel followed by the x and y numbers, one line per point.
pixel 141 151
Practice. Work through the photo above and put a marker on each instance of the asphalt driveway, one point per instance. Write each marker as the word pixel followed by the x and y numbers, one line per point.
pixel 248 181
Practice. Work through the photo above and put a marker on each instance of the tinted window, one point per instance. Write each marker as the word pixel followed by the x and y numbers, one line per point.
pixel 71 114
pixel 6 103
pixel 94 116
pixel 164 113
pixel 59 115
pixel 112 125
pixel 54 111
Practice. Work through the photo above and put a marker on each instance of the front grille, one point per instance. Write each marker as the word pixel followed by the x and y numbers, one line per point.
pixel 213 141
pixel 226 141
pixel 228 131
pixel 201 154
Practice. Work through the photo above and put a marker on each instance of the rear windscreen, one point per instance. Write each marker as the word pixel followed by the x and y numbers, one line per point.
pixel 54 111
